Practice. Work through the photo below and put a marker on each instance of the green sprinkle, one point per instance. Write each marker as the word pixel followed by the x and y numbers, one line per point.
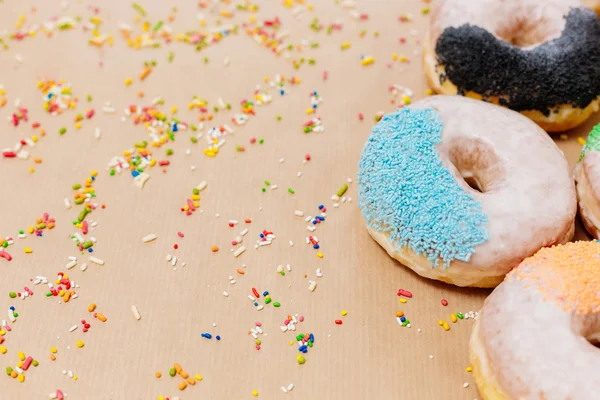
pixel 48 294
pixel 139 9
pixel 193 127
pixel 307 129
pixel 16 314
pixel 460 316
pixel 228 106
pixel 9 370
pixel 342 190
pixel 276 304
pixel 406 322
pixel 267 183
pixel 196 191
pixel 172 372
pixel 216 109
pixel 41 225
pixel 157 26
pixel 312 61
pixel 62 130
pixel 79 200
pixel 239 148
pixel 205 60
pixel 282 273
pixel 89 97
pixel 87 245
pixel 261 141
pixel 263 190
pixel 292 191
pixel 309 343
pixel 111 173
pixel 267 300
pixel 278 117
pixel 170 152
pixel 21 232
pixel 257 341
pixel 171 56
pixel 193 139
pixel 300 337
pixel 12 295
pixel 35 363
pixel 82 214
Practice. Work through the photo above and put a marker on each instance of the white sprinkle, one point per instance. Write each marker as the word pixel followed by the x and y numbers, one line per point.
pixel 96 261
pixel 136 313
pixel 419 330
pixel 71 264
pixel 67 203
pixel 243 233
pixel 83 267
pixel 290 387
pixel 252 298
pixel 299 213
pixel 431 356
pixel 466 385
pixel 259 307
pixel 141 180
pixel 239 251
pixel 311 228
pixel 312 286
pixel 291 243
pixel 97 133
pixel 71 329
pixel 149 238
pixel 281 160
pixel 70 373
pixel 169 257
pixel 11 316
pixel 202 186
pixel 174 261
pixel 283 389
pixel 52 396
pixel 225 294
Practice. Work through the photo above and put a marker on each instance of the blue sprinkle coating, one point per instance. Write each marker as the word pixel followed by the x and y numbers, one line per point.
pixel 405 190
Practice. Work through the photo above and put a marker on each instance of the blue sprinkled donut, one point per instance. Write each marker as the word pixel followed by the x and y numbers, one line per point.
pixel 462 191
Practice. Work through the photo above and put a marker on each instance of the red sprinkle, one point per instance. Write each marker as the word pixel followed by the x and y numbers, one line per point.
pixel 175 246
pixel 444 302
pixel 255 292
pixel 405 293
pixel 252 140
pixel 164 163
pixel 339 321
pixel 248 220
pixel 9 154
pixel 307 157
pixel 361 116
pixel 5 255
pixel 90 114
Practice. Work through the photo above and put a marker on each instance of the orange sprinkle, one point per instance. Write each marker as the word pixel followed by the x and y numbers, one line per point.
pixel 158 374
pixel 568 275
pixel 240 271
pixel 215 249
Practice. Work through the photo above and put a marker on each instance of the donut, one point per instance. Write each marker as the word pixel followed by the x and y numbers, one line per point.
pixel 461 191
pixel 540 58
pixel 535 336
pixel 587 183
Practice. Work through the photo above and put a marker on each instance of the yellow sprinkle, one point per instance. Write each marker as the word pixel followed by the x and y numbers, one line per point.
pixel 128 81
pixel 344 313
pixel 21 378
pixel 80 343
pixel 195 197
pixel 2 332
pixel 469 369
pixel 402 300
pixel 446 326
pixel 161 398
pixel 440 322
pixel 319 254
pixel 429 92
pixel 309 111
pixel 174 110
pixel 30 229
pixel 453 317
pixel 34 138
pixel 403 59
pixel 32 170
pixel 367 61
pixel 21 356
pixel 2 349
pixel 581 140
pixel 198 377
pixel 28 250
pixel 345 45
pixel 53 350
pixel 75 377
pixel 153 162
pixel 291 342
pixel 20 364
pixel 394 56
pixel 254 393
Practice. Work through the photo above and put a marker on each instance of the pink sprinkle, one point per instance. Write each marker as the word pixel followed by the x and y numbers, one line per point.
pixel 8 328
pixel 27 363
pixel 258 347
pixel 5 255
pixel 301 318
pixel 444 302
pixel 258 323
pixel 180 234
pixel 405 293
pixel 84 227
pixel 60 395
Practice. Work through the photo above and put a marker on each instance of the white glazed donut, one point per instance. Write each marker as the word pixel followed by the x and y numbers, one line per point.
pixel 587 178
pixel 535 57
pixel 419 208
pixel 535 336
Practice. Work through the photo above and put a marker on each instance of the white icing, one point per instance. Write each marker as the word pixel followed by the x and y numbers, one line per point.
pixel 535 350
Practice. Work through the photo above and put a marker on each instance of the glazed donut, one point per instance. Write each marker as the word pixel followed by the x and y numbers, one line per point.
pixel 587 182
pixel 419 208
pixel 541 58
pixel 535 336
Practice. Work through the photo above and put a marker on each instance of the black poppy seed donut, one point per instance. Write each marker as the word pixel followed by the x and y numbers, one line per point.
pixel 541 59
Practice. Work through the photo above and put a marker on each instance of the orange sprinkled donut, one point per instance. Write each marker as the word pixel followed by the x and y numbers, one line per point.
pixel 535 337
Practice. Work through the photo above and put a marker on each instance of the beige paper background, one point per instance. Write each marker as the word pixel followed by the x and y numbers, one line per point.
pixel 368 357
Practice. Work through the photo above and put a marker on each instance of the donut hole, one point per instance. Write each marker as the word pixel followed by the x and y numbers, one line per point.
pixel 476 162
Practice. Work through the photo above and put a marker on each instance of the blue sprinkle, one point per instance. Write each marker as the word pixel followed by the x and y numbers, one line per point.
pixel 402 319
pixel 207 335
pixel 218 337
pixel 321 218
pixel 255 304
pixel 175 129
pixel 314 221
pixel 262 236
pixel 302 348
pixel 265 293
pixel 315 93
pixel 311 338
pixel 316 246
pixel 90 250
pixel 321 206
pixel 12 308
pixel 134 173
pixel 405 190
pixel 282 92
pixel 314 106
pixel 93 178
